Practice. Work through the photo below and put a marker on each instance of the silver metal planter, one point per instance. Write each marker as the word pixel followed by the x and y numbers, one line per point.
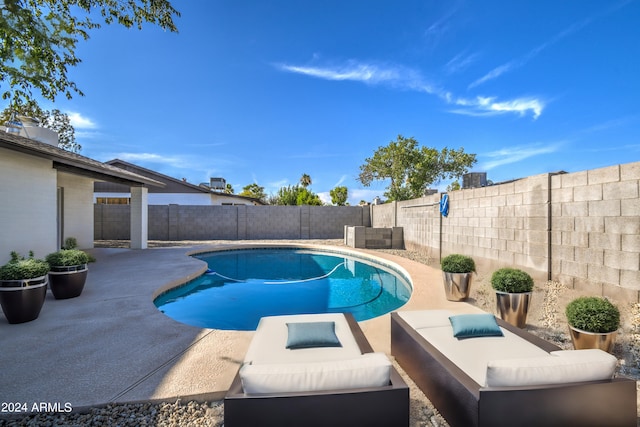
pixel 513 308
pixel 457 285
pixel 585 340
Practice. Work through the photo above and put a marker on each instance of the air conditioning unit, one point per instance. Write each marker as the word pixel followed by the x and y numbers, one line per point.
pixel 474 180
pixel 217 184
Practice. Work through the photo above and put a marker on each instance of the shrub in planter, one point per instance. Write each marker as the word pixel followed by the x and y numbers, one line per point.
pixel 513 295
pixel 70 243
pixel 24 287
pixel 67 258
pixel 457 274
pixel 593 314
pixel 68 272
pixel 593 322
pixel 456 263
pixel 511 280
pixel 21 268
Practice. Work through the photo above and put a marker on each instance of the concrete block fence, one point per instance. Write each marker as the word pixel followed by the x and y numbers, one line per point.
pixel 581 228
pixel 178 222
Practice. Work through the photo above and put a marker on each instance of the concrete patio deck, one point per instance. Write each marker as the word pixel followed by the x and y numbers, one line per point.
pixel 111 344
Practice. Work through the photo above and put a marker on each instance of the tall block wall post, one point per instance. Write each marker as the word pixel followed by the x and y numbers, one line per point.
pixel 139 217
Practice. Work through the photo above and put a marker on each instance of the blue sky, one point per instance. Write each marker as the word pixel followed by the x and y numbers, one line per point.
pixel 257 91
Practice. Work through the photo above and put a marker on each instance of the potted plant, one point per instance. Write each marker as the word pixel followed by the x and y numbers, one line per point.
pixel 23 287
pixel 69 270
pixel 513 295
pixel 593 323
pixel 457 272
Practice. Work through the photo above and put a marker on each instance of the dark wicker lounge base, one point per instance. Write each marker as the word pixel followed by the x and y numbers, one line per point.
pixel 379 406
pixel 463 402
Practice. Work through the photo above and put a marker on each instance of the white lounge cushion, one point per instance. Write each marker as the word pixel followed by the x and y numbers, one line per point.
pixel 367 370
pixel 269 344
pixel 472 355
pixel 418 319
pixel 558 368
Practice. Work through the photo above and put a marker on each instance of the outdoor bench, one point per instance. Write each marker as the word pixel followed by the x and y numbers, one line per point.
pixel 349 385
pixel 517 379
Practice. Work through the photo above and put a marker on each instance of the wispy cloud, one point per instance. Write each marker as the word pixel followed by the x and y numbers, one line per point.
pixel 369 73
pixel 460 62
pixel 78 121
pixel 173 161
pixel 409 79
pixel 84 127
pixel 490 106
pixel 366 73
pixel 524 59
pixel 342 179
pixel 437 30
pixel 515 154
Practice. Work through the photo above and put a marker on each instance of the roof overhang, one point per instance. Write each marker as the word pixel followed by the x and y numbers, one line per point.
pixel 66 161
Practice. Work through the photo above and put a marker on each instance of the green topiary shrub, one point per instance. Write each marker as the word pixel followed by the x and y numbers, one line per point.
pixel 593 314
pixel 67 257
pixel 511 280
pixel 70 243
pixel 456 263
pixel 21 268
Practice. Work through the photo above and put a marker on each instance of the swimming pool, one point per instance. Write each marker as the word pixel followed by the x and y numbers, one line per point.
pixel 241 286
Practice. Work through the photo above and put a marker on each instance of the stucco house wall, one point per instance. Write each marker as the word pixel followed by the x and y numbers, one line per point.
pixel 27 207
pixel 77 206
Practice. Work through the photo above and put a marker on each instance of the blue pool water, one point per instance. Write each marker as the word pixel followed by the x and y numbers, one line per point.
pixel 241 286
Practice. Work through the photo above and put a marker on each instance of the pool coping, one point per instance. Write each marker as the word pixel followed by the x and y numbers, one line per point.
pixel 111 345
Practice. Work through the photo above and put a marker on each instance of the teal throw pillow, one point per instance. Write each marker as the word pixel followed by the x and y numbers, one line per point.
pixel 312 334
pixel 475 325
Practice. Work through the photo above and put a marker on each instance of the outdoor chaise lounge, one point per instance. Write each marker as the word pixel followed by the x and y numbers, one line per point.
pixel 323 379
pixel 516 379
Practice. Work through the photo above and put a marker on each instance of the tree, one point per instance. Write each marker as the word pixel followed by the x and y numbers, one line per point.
pixel 339 196
pixel 228 189
pixel 293 195
pixel 254 191
pixel 306 197
pixel 412 169
pixel 287 196
pixel 54 120
pixel 305 180
pixel 39 37
pixel 454 186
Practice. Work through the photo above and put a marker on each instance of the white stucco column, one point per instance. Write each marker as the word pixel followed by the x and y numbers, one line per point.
pixel 139 217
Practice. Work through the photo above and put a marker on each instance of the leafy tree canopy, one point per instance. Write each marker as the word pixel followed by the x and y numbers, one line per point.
pixel 38 40
pixel 255 191
pixel 339 196
pixel 307 197
pixel 412 169
pixel 293 195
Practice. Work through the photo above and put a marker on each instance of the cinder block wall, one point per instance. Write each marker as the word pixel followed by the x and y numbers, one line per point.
pixel 596 229
pixel 422 217
pixel 178 222
pixel 582 227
